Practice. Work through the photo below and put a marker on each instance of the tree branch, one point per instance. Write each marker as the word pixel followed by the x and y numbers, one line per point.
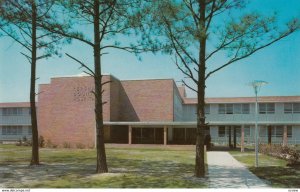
pixel 43 56
pixel 189 86
pixel 106 82
pixel 27 57
pixel 50 28
pixel 249 53
pixel 175 42
pixel 82 64
pixel 210 16
pixel 107 20
pixel 14 38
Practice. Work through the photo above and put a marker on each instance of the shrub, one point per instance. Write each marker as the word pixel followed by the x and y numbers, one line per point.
pixel 66 145
pixel 49 144
pixel 19 143
pixel 283 152
pixel 41 141
pixel 26 142
pixel 80 146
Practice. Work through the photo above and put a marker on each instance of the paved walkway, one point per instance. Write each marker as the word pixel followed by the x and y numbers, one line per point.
pixel 226 172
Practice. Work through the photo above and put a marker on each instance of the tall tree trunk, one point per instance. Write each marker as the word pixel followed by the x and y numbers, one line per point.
pixel 101 155
pixel 199 164
pixel 35 143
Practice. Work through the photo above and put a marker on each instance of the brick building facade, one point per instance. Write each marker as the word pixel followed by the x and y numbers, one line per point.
pixel 153 111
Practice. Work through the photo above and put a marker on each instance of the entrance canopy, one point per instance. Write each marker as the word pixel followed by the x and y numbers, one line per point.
pixel 193 123
pixel 152 123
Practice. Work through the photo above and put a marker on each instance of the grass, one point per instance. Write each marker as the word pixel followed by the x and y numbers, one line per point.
pixel 134 167
pixel 273 170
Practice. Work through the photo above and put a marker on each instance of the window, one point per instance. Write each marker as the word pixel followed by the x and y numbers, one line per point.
pixel 229 108
pixel 237 108
pixel 221 131
pixel 247 131
pixel 245 108
pixel 279 131
pixel 11 111
pixel 238 131
pixel 207 109
pixel 266 108
pixel 288 108
pixel 270 107
pixel 29 131
pixel 262 108
pixel 12 130
pixel 290 131
pixel 292 108
pixel 222 109
pixel 4 131
pixel 263 132
pixel 296 107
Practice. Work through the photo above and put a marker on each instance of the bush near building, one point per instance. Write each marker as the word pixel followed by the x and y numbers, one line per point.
pixel 284 152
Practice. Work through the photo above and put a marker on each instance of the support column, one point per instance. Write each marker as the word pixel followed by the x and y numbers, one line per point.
pixel 285 138
pixel 154 139
pixel 165 135
pixel 229 135
pixel 184 135
pixel 129 134
pixel 141 136
pixel 242 138
pixel 269 134
pixel 234 137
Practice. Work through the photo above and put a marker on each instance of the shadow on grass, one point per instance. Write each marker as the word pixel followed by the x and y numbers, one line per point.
pixel 287 177
pixel 124 173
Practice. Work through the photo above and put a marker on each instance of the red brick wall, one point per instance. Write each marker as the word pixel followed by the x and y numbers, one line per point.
pixel 115 86
pixel 146 100
pixel 66 106
pixel 66 110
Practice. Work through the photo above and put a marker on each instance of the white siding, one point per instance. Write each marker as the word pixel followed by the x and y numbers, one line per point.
pixel 189 113
pixel 15 120
pixel 21 120
pixel 296 135
pixel 24 133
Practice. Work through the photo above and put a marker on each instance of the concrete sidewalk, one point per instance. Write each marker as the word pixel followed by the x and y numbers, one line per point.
pixel 226 172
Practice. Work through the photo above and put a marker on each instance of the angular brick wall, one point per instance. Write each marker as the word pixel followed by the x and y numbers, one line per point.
pixel 66 110
pixel 66 106
pixel 115 87
pixel 146 100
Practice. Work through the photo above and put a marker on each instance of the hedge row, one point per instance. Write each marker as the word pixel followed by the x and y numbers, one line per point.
pixel 282 152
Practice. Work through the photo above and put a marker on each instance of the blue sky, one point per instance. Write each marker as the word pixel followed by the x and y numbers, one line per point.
pixel 278 64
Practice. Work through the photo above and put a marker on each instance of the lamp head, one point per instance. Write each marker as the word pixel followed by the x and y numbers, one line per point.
pixel 257 84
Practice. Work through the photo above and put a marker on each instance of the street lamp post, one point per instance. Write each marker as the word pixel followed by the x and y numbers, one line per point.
pixel 256 86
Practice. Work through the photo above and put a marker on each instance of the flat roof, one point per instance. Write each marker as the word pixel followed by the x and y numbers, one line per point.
pixel 194 123
pixel 264 99
pixel 15 104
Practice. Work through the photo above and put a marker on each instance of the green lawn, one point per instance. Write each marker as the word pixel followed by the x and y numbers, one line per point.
pixel 129 167
pixel 274 171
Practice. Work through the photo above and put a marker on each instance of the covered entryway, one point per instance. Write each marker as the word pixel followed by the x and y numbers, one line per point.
pixel 186 136
pixel 147 135
pixel 153 132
